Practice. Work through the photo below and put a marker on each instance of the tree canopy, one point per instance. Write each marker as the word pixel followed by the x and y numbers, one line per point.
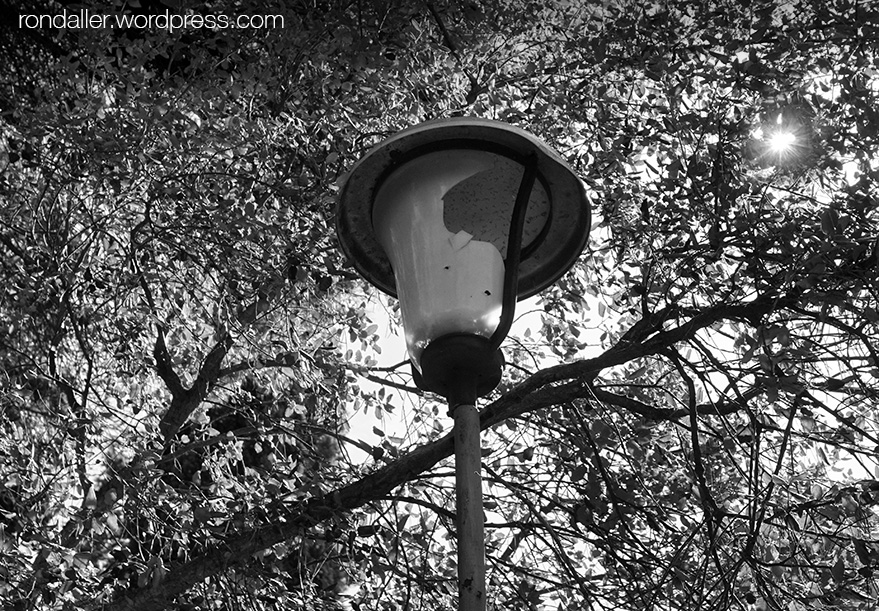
pixel 691 425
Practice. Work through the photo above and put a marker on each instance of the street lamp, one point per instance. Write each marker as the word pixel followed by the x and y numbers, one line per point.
pixel 460 218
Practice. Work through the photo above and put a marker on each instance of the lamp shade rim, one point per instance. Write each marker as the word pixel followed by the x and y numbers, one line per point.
pixel 570 215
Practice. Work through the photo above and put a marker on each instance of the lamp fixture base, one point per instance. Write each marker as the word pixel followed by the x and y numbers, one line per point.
pixel 461 367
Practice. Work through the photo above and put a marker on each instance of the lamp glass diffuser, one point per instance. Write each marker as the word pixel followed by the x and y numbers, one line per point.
pixel 443 220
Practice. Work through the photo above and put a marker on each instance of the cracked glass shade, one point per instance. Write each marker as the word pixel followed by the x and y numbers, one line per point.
pixel 443 221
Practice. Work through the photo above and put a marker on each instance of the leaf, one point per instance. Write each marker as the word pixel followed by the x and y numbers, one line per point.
pixel 838 570
pixel 600 432
pixel 526 454
pixel 402 520
pixel 862 551
pixel 91 500
pixel 830 222
pixel 583 515
pixel 778 481
pixel 637 374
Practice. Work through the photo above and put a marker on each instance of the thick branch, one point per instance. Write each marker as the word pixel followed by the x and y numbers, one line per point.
pixel 649 412
pixel 164 367
pixel 184 402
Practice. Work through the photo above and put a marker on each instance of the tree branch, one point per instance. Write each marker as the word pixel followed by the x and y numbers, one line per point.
pixel 164 367
pixel 475 87
pixel 184 402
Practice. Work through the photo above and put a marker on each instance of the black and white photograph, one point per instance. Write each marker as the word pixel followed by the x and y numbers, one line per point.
pixel 439 305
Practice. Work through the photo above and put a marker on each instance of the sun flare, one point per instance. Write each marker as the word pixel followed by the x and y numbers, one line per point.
pixel 782 142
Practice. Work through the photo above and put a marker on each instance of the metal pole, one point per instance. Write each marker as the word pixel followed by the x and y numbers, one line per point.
pixel 471 524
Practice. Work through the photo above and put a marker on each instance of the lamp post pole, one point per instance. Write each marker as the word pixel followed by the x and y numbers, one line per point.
pixel 462 368
pixel 468 500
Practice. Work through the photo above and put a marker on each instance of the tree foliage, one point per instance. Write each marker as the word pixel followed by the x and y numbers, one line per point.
pixel 692 425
